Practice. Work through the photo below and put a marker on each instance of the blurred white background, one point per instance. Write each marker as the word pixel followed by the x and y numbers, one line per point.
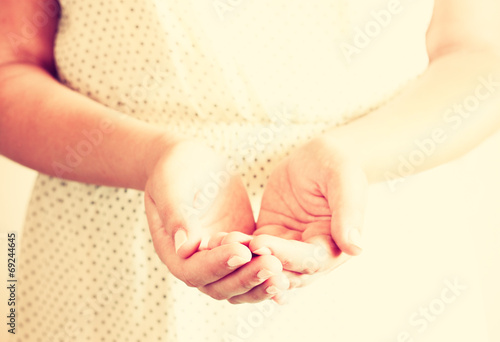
pixel 16 182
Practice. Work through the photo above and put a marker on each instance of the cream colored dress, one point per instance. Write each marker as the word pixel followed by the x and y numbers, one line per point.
pixel 250 78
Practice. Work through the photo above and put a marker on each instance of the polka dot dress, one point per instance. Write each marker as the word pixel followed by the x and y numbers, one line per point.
pixel 253 79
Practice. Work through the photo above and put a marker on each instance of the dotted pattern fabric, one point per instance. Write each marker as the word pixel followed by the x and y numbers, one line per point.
pixel 253 79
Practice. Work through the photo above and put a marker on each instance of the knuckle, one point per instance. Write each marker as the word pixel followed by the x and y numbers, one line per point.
pixel 234 301
pixel 260 296
pixel 190 283
pixel 217 295
pixel 202 289
pixel 254 296
pixel 220 272
pixel 248 284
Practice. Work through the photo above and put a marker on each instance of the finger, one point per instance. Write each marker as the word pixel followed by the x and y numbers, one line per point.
pixel 244 279
pixel 169 227
pixel 297 280
pixel 223 238
pixel 270 288
pixel 175 203
pixel 201 268
pixel 298 256
pixel 236 236
pixel 209 266
pixel 188 235
pixel 282 298
pixel 346 194
pixel 277 230
pixel 162 241
pixel 212 241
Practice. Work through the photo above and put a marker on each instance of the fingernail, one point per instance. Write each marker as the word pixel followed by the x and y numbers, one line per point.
pixel 272 290
pixel 281 298
pixel 204 243
pixel 264 274
pixel 180 239
pixel 263 251
pixel 355 238
pixel 236 261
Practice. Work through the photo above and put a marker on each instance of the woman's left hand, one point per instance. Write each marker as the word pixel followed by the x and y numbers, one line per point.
pixel 312 211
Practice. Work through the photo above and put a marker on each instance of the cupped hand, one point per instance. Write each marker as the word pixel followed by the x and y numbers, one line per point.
pixel 191 196
pixel 312 210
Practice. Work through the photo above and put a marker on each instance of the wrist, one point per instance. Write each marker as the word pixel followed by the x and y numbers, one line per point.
pixel 157 148
pixel 340 151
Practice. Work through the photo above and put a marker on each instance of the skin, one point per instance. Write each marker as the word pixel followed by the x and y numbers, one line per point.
pixel 310 209
pixel 307 232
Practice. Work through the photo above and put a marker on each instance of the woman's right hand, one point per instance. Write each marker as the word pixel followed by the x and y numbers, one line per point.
pixel 191 196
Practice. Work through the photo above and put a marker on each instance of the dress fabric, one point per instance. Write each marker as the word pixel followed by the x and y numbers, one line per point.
pixel 253 79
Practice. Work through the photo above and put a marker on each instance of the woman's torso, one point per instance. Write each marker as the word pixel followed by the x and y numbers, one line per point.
pixel 247 77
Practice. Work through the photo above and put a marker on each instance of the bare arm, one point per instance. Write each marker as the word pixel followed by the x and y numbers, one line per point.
pixel 313 206
pixel 42 121
pixel 449 110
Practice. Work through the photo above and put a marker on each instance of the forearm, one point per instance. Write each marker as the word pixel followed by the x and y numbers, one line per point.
pixel 52 129
pixel 440 116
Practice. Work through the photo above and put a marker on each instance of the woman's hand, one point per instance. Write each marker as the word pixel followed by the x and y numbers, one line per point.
pixel 312 211
pixel 191 197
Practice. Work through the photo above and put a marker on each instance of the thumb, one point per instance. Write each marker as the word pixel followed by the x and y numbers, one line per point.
pixel 346 195
pixel 183 224
pixel 174 226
